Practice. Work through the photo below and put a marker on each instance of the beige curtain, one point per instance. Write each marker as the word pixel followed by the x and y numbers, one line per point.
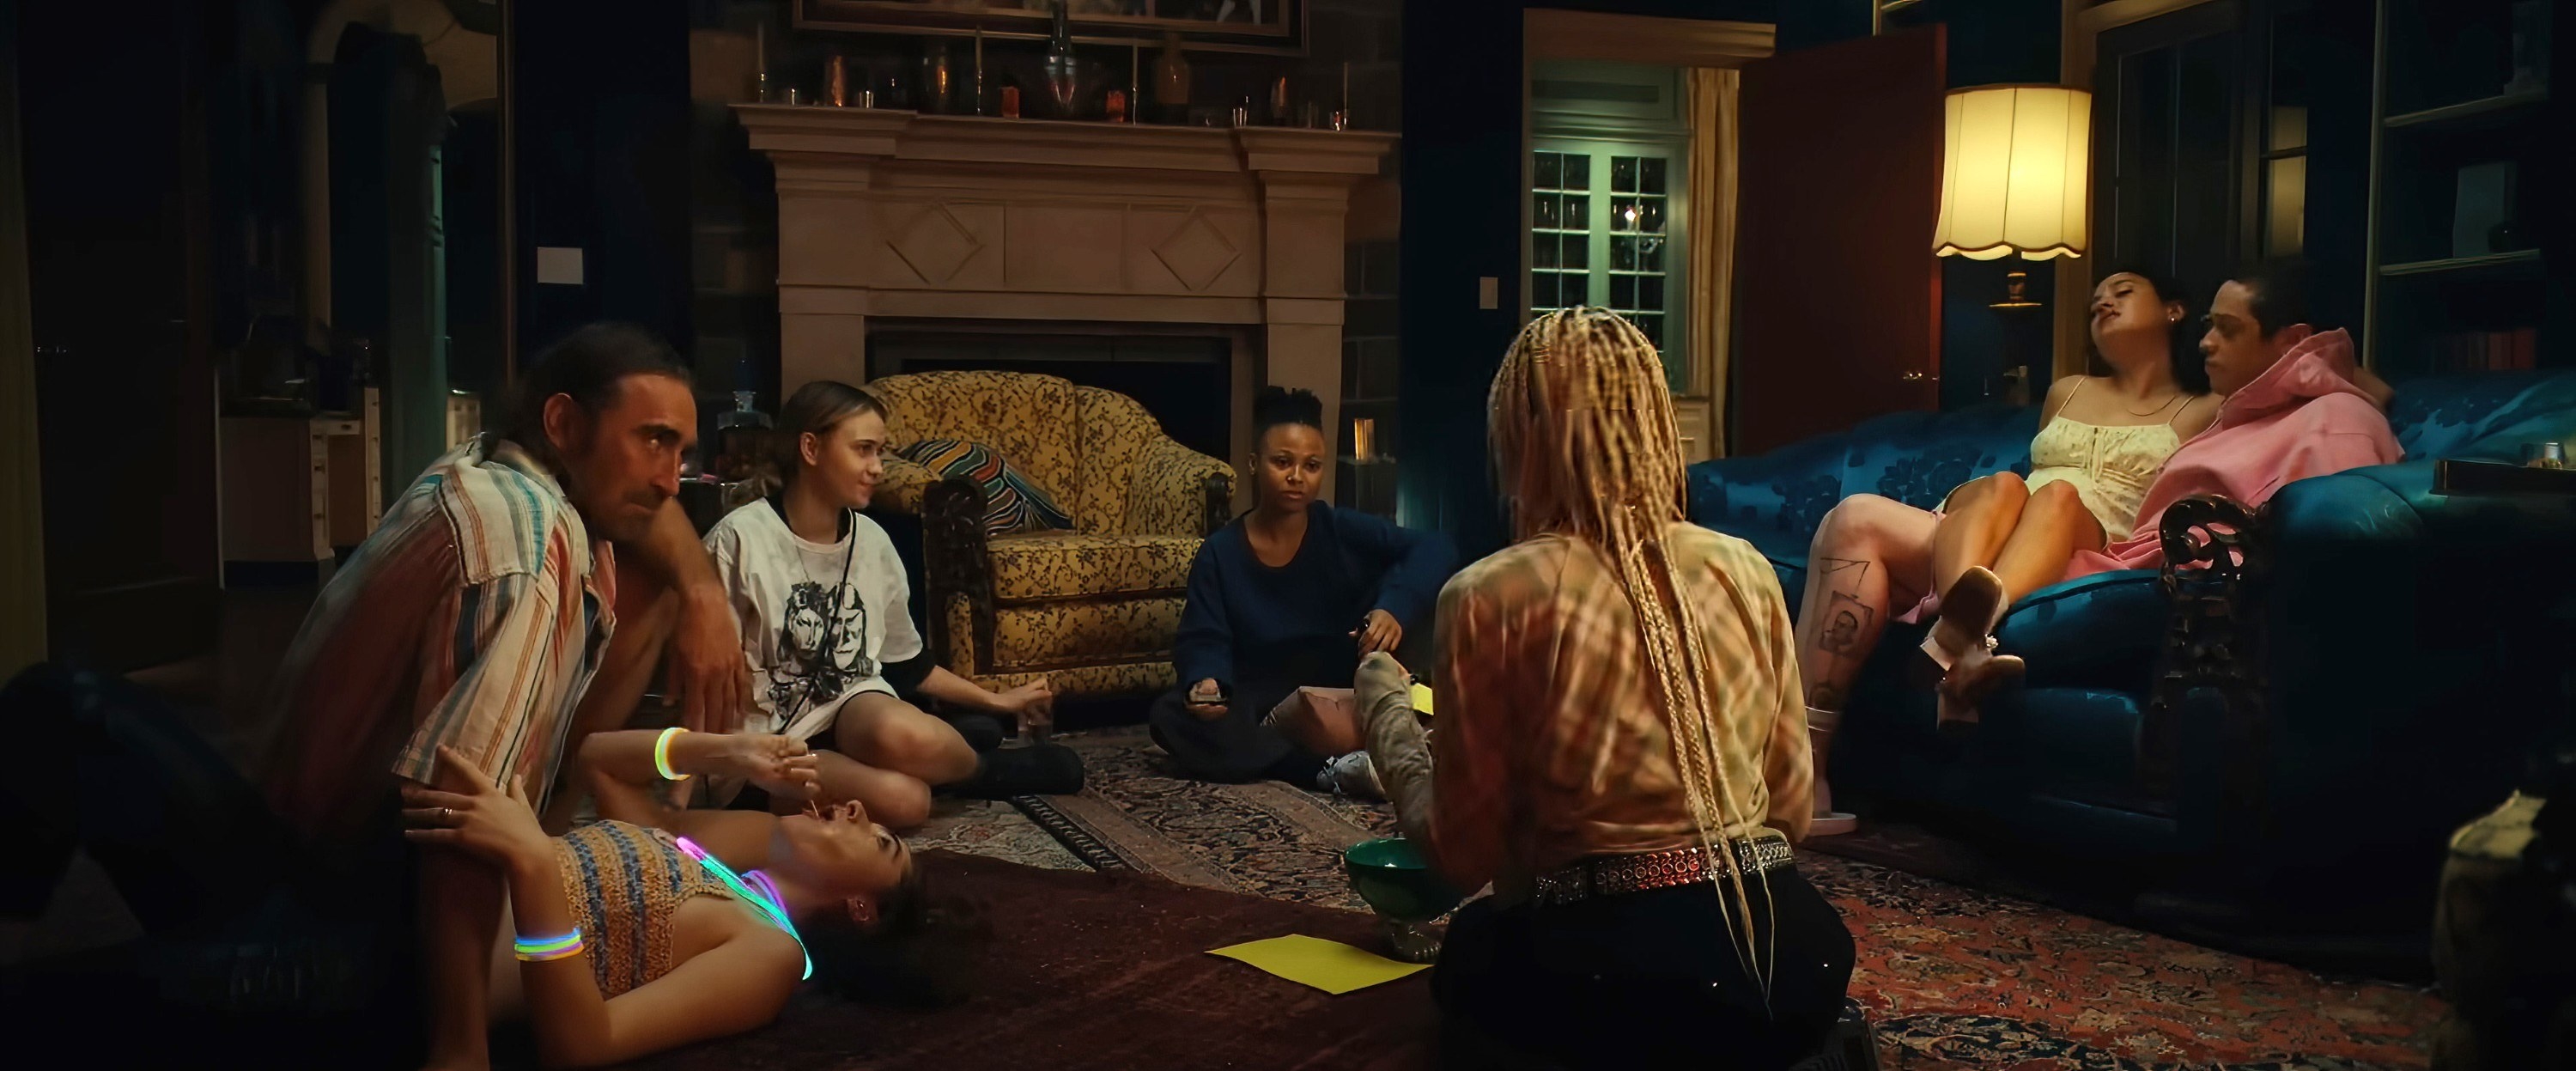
pixel 22 532
pixel 1711 111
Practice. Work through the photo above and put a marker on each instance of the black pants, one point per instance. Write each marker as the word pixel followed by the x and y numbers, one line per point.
pixel 254 949
pixel 1641 980
pixel 1237 747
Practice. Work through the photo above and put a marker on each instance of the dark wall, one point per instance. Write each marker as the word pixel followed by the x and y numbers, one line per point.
pixel 2339 125
pixel 1461 156
pixel 1990 42
pixel 601 103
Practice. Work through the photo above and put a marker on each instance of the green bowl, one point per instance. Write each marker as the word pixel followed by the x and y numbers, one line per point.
pixel 1392 877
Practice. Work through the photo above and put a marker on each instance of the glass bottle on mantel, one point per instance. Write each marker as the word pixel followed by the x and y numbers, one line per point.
pixel 1063 68
pixel 937 79
pixel 1172 81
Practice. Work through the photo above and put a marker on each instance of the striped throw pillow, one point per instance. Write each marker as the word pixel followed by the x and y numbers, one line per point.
pixel 1011 502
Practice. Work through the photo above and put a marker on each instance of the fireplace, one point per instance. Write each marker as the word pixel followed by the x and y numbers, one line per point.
pixel 902 238
pixel 1186 381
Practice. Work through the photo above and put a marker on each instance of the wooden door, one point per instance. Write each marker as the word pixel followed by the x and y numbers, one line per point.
pixel 2171 189
pixel 1838 300
pixel 117 248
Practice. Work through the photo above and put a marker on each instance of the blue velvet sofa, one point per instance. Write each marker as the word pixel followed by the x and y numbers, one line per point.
pixel 2293 726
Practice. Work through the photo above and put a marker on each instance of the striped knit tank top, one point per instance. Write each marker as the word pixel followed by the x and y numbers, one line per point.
pixel 625 882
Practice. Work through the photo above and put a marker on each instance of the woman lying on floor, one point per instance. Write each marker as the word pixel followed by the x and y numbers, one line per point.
pixel 827 626
pixel 1621 749
pixel 650 929
pixel 1282 603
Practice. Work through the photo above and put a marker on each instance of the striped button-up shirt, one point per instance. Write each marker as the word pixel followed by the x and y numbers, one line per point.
pixel 1550 742
pixel 472 617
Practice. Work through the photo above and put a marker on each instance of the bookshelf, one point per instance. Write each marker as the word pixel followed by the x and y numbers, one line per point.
pixel 2466 247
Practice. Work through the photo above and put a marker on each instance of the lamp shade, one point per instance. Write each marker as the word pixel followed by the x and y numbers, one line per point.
pixel 2014 172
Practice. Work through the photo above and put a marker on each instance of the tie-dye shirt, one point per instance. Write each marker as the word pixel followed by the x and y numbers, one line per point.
pixel 1550 742
pixel 473 617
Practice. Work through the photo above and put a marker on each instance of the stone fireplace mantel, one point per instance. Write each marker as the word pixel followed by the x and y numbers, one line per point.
pixel 902 216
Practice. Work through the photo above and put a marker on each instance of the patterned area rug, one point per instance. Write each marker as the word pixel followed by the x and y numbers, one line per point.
pixel 1954 978
pixel 1266 838
pixel 994 830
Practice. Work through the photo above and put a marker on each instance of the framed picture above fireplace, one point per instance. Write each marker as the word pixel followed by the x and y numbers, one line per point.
pixel 1277 26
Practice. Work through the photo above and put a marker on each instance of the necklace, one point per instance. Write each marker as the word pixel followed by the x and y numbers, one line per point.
pixel 2160 406
pixel 771 906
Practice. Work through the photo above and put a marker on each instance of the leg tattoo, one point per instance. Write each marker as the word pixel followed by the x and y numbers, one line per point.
pixel 1844 620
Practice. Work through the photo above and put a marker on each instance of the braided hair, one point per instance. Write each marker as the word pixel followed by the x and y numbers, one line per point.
pixel 1587 449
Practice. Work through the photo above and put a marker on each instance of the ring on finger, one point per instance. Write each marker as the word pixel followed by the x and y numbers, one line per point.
pixel 447 814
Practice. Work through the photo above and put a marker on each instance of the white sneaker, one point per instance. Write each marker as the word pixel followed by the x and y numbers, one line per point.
pixel 1352 775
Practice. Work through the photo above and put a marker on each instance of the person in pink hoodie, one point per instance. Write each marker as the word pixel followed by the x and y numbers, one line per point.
pixel 2295 406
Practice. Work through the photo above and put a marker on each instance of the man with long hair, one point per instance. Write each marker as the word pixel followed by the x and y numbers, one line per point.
pixel 475 618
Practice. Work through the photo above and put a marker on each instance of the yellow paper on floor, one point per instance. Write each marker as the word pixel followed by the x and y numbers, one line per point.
pixel 1331 966
pixel 1422 698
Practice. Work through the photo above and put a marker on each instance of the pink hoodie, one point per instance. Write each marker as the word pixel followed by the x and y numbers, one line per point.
pixel 2302 417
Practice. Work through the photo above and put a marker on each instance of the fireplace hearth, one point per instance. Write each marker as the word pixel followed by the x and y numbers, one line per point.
pixel 1149 235
pixel 1185 381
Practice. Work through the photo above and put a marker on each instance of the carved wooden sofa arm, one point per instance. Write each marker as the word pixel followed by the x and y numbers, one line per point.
pixel 2205 710
pixel 957 559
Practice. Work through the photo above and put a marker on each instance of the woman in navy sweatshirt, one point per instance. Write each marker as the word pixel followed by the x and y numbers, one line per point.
pixel 1290 594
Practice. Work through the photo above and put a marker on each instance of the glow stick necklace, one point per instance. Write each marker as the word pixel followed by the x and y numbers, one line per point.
pixel 771 906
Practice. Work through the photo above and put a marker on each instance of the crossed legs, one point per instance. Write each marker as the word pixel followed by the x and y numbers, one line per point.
pixel 2024 536
pixel 1872 555
pixel 888 755
pixel 2002 540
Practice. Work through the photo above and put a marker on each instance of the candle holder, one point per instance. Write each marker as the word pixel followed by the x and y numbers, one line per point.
pixel 1063 68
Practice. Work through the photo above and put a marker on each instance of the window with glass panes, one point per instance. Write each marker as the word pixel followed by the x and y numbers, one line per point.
pixel 2285 144
pixel 1604 232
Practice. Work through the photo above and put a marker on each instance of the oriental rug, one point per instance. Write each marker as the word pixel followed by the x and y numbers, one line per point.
pixel 1954 977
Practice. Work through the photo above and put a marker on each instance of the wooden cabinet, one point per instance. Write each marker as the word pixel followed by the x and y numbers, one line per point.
pixel 296 488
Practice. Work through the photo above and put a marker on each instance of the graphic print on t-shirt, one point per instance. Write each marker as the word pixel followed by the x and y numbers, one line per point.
pixel 824 641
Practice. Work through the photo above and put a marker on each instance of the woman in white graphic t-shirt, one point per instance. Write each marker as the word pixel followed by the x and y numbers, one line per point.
pixel 827 629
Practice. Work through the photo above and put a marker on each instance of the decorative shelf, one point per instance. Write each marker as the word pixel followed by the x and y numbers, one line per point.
pixel 2484 111
pixel 2516 262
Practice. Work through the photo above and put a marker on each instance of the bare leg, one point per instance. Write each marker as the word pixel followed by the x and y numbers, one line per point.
pixel 895 800
pixel 2053 527
pixel 2053 523
pixel 1324 721
pixel 1868 552
pixel 1981 517
pixel 890 734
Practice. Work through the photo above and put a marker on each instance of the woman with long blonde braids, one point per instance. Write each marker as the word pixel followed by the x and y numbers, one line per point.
pixel 1621 748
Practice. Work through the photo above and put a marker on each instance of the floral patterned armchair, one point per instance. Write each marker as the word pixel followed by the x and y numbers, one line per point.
pixel 1094 609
